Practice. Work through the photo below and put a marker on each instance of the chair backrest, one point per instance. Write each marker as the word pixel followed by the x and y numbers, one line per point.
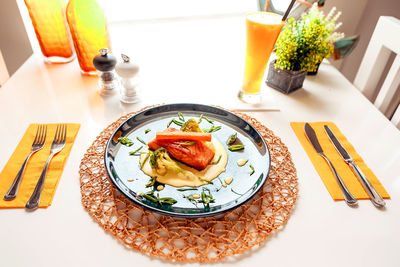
pixel 384 41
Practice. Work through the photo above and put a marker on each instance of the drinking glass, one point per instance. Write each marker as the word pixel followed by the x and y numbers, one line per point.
pixel 48 19
pixel 89 31
pixel 262 31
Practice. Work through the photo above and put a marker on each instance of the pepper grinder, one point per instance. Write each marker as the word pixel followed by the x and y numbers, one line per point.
pixel 105 64
pixel 128 72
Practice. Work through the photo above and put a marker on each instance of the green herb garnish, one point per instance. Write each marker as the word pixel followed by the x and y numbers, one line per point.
pixel 140 140
pixel 204 180
pixel 150 196
pixel 220 182
pixel 147 131
pixel 186 189
pixel 180 116
pixel 205 197
pixel 156 199
pixel 135 153
pixel 252 170
pixel 188 143
pixel 212 129
pixel 166 200
pixel 236 192
pixel 151 182
pixel 236 147
pixel 231 139
pixel 204 117
pixel 218 160
pixel 125 141
pixel 144 161
pixel 191 199
pixel 153 159
pixel 179 123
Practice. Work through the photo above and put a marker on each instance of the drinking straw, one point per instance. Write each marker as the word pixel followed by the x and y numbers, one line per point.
pixel 266 5
pixel 288 10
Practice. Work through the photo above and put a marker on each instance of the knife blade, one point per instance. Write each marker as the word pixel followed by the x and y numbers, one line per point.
pixel 376 199
pixel 312 137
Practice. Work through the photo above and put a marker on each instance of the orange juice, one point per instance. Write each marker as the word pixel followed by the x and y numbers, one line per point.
pixel 262 30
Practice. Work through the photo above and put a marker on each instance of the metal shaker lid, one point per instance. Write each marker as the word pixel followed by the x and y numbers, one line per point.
pixel 127 68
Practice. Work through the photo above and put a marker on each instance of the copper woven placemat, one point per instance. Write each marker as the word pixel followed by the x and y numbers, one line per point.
pixel 190 240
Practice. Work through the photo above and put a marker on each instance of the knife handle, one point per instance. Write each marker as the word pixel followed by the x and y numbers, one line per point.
pixel 348 197
pixel 375 197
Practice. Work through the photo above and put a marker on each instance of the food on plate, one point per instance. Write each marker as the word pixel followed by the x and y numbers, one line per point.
pixel 197 154
pixel 252 170
pixel 241 162
pixel 228 180
pixel 172 134
pixel 231 139
pixel 184 157
pixel 188 157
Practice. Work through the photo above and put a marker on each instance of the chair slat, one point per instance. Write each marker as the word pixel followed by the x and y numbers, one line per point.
pixel 389 87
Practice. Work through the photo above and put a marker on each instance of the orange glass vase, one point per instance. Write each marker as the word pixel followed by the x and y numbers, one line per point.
pixel 48 19
pixel 88 30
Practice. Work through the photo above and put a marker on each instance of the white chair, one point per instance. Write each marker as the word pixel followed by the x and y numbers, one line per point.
pixel 384 41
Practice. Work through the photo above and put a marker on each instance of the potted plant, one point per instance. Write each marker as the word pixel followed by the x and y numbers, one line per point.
pixel 301 47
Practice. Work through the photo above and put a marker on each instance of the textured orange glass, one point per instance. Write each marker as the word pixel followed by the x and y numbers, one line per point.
pixel 48 19
pixel 88 30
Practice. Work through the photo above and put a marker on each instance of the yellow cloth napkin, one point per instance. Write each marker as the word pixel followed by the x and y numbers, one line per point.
pixel 35 166
pixel 349 178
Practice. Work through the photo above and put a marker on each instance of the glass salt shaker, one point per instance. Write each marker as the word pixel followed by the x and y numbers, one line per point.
pixel 128 72
pixel 105 64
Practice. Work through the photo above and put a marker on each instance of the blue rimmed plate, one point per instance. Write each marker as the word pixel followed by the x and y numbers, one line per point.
pixel 124 169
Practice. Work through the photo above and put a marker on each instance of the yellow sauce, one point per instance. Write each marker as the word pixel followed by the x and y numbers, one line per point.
pixel 193 177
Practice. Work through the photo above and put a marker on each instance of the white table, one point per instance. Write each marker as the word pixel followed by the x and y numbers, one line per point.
pixel 320 232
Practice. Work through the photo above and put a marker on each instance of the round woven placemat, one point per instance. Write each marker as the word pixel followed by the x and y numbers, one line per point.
pixel 190 240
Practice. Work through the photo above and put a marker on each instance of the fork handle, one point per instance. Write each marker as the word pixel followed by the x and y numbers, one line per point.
pixel 34 200
pixel 13 190
pixel 348 197
pixel 375 197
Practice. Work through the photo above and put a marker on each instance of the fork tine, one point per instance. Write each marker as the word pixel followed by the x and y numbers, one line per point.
pixel 43 139
pixel 61 133
pixel 65 134
pixel 37 133
pixel 56 134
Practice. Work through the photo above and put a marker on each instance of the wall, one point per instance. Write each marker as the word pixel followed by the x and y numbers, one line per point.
pixel 365 27
pixel 351 16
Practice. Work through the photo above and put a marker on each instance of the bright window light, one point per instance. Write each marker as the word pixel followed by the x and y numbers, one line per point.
pixel 131 10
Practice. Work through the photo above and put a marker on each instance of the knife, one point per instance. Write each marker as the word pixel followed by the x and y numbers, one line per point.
pixel 375 197
pixel 312 137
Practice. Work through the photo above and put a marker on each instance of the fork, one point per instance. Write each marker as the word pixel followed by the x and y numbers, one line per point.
pixel 57 145
pixel 38 143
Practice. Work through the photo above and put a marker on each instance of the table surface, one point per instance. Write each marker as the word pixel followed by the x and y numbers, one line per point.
pixel 320 231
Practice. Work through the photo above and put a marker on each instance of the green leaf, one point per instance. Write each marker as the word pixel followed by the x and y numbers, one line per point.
pixel 125 141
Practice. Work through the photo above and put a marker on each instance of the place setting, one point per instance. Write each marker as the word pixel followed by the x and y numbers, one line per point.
pixel 344 173
pixel 31 175
pixel 177 204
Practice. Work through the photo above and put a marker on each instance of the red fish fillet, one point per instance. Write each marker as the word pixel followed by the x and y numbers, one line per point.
pixel 197 155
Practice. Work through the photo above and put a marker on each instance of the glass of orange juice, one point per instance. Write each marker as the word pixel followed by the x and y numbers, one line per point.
pixel 262 31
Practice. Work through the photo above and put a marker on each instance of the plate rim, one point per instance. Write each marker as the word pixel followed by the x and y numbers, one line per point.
pixel 176 214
